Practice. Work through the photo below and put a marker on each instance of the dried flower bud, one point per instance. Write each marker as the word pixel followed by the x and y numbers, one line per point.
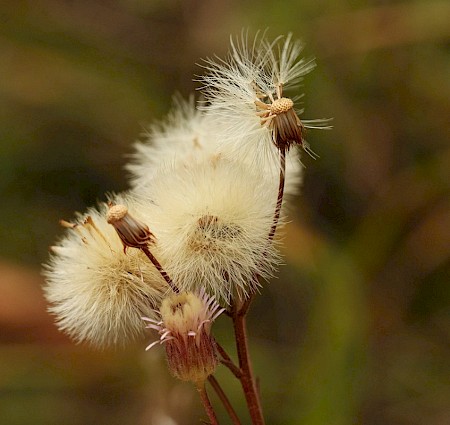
pixel 132 232
pixel 281 118
pixel 185 327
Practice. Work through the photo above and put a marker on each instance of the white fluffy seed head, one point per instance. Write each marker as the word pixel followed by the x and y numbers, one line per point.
pixel 189 134
pixel 185 134
pixel 96 291
pixel 211 220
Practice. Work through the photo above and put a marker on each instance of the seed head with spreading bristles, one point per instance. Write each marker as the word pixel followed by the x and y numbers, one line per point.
pixel 245 94
pixel 97 292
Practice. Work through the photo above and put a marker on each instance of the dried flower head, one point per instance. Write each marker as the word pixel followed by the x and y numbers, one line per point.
pixel 211 219
pixel 133 233
pixel 184 329
pixel 96 291
pixel 280 117
pixel 246 94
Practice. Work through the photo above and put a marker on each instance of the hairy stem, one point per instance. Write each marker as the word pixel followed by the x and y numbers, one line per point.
pixel 224 399
pixel 207 404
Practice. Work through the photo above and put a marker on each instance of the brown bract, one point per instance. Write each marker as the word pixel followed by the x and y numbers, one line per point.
pixel 192 358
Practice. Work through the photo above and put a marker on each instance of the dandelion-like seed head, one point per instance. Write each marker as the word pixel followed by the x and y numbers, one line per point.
pixel 96 291
pixel 184 329
pixel 211 219
pixel 189 134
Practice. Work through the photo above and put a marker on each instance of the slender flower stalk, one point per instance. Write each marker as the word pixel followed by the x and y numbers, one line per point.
pixel 158 266
pixel 247 379
pixel 224 399
pixel 207 404
pixel 276 216
pixel 228 362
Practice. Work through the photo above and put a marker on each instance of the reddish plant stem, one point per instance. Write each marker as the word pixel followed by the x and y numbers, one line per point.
pixel 158 266
pixel 276 216
pixel 246 304
pixel 247 380
pixel 207 404
pixel 224 399
pixel 228 362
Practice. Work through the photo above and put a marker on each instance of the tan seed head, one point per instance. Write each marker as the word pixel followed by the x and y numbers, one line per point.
pixel 282 105
pixel 116 213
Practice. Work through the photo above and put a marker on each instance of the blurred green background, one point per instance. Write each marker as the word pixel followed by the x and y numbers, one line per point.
pixel 356 329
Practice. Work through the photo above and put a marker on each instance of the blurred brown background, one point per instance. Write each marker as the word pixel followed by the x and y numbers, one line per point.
pixel 356 329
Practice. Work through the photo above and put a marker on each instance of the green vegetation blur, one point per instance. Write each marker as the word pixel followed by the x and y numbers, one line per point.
pixel 356 328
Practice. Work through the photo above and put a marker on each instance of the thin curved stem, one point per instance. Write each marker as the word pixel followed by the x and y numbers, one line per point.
pixel 158 266
pixel 277 213
pixel 224 399
pixel 206 403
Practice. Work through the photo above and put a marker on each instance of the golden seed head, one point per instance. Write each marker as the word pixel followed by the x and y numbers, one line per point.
pixel 281 105
pixel 116 213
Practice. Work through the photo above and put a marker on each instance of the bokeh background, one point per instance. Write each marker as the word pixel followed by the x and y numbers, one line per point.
pixel 356 329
